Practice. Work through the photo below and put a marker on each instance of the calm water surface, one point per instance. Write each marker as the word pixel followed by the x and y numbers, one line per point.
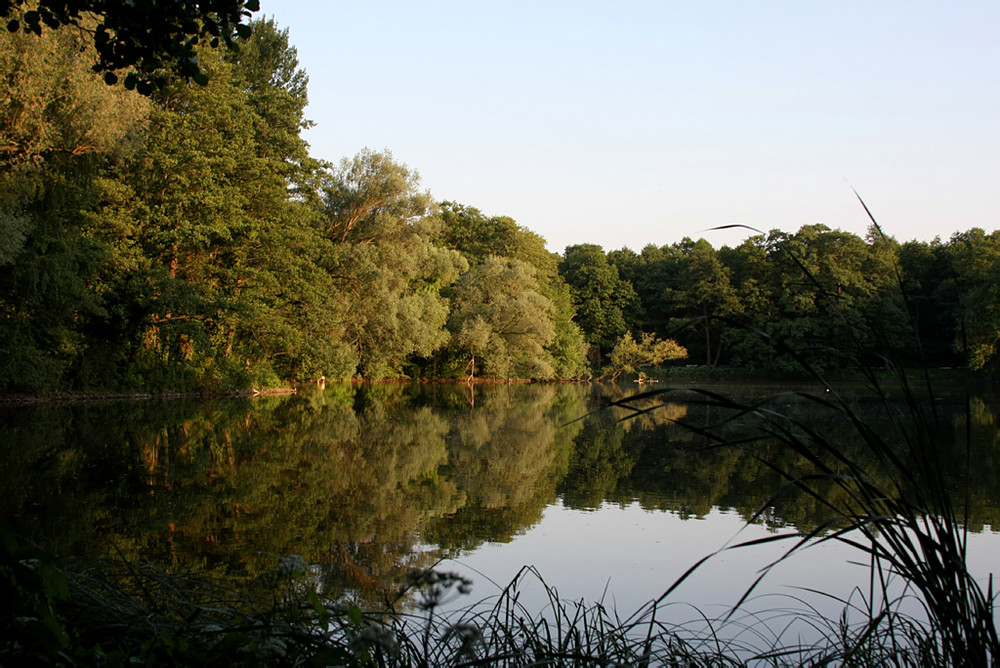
pixel 366 482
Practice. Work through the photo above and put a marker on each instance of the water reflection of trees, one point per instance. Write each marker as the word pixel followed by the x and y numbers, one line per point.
pixel 368 481
pixel 604 457
pixel 671 468
pixel 353 478
pixel 227 487
pixel 508 455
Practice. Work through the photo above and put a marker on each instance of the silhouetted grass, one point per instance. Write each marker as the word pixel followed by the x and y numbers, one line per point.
pixel 901 519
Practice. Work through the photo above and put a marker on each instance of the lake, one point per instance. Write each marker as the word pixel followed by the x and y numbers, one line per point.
pixel 366 482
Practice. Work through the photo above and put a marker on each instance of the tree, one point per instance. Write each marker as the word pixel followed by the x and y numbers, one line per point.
pixel 388 270
pixel 479 237
pixel 928 285
pixel 823 293
pixel 145 35
pixel 59 126
pixel 751 276
pixel 975 258
pixel 704 291
pixel 628 354
pixel 54 117
pixel 500 317
pixel 569 347
pixel 372 197
pixel 213 266
pixel 601 297
pixel 188 227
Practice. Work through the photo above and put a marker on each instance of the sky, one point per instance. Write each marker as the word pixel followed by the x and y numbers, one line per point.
pixel 630 123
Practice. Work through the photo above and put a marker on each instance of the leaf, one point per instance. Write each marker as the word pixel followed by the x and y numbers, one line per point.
pixel 354 615
pixel 318 607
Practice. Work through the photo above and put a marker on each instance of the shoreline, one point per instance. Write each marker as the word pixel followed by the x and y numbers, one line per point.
pixel 685 377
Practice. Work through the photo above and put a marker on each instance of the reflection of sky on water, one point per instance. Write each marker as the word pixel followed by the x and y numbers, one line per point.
pixel 628 556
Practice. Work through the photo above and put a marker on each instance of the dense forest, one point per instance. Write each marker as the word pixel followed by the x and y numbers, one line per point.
pixel 184 239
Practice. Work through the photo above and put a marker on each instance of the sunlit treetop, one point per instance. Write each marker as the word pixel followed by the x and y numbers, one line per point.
pixel 143 36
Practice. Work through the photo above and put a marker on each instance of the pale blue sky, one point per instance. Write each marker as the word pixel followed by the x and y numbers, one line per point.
pixel 629 123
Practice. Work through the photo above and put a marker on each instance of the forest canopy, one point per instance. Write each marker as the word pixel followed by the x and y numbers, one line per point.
pixel 186 240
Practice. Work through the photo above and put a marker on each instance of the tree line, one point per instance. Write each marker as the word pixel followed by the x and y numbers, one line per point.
pixel 819 296
pixel 184 239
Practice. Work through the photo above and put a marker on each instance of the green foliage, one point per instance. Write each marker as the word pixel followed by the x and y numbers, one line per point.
pixel 500 317
pixel 58 126
pixel 975 261
pixel 144 36
pixel 704 291
pixel 569 347
pixel 818 291
pixel 629 354
pixel 929 287
pixel 479 237
pixel 483 240
pixel 200 247
pixel 186 241
pixel 602 298
pixel 388 272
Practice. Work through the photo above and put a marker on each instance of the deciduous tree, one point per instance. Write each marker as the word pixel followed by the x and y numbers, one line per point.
pixel 59 125
pixel 500 317
pixel 389 271
pixel 975 258
pixel 145 35
pixel 602 298
pixel 629 354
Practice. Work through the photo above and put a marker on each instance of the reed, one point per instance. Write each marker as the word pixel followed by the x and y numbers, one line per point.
pixel 904 521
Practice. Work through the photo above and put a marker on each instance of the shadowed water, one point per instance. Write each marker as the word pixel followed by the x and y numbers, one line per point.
pixel 367 482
